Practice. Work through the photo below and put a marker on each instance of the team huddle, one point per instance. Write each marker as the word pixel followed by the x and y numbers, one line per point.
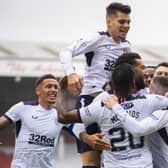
pixel 121 115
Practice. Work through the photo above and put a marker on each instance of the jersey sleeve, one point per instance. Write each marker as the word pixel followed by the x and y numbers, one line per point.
pixel 162 118
pixel 77 129
pixel 150 124
pixel 13 114
pixel 92 113
pixel 84 45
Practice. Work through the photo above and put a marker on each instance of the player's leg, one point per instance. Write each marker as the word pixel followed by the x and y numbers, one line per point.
pixel 90 158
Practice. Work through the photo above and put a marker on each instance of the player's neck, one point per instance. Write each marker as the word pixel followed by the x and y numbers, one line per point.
pixel 116 39
pixel 122 94
pixel 45 105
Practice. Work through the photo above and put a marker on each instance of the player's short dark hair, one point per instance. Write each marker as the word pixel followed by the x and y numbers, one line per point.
pixel 129 58
pixel 115 7
pixel 164 64
pixel 123 78
pixel 42 78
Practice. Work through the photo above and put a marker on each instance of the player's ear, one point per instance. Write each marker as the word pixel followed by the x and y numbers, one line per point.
pixel 37 90
pixel 108 20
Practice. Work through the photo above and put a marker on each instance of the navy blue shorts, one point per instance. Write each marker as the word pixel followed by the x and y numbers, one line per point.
pixel 82 101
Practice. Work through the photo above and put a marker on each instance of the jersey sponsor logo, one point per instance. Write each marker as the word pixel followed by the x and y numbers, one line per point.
pixel 41 140
pixel 128 105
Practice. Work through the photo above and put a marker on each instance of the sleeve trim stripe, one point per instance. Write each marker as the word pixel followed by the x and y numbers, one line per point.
pixel 10 120
pixel 79 117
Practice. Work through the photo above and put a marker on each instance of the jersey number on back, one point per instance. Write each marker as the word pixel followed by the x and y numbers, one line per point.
pixel 121 136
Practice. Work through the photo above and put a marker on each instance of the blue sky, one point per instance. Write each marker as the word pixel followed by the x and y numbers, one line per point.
pixel 68 20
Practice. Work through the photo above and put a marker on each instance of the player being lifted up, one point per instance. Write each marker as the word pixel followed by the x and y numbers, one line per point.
pixel 101 50
pixel 127 150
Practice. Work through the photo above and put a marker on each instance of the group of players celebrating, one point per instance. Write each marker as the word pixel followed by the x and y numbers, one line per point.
pixel 112 99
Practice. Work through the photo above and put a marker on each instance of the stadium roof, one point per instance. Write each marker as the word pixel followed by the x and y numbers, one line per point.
pixel 28 59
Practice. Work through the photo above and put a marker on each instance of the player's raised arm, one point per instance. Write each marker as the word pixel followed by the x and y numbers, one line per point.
pixel 75 84
pixel 81 46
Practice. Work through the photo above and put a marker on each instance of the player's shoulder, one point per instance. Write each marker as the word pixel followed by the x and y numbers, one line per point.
pixel 155 96
pixel 104 34
pixel 30 103
pixel 24 104
pixel 97 35
pixel 103 95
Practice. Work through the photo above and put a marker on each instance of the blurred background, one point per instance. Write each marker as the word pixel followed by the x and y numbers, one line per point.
pixel 33 32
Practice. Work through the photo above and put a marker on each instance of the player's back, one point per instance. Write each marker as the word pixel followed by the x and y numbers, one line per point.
pixel 128 151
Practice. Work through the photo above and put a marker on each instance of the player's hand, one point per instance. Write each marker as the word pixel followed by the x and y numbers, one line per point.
pixel 166 94
pixel 110 101
pixel 95 141
pixel 74 84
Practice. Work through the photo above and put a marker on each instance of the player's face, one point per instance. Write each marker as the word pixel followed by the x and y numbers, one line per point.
pixel 161 71
pixel 139 74
pixel 47 92
pixel 139 64
pixel 148 75
pixel 118 26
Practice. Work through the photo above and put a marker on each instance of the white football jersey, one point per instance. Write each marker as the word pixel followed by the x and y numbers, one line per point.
pixel 37 137
pixel 158 120
pixel 101 53
pixel 128 151
pixel 159 141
